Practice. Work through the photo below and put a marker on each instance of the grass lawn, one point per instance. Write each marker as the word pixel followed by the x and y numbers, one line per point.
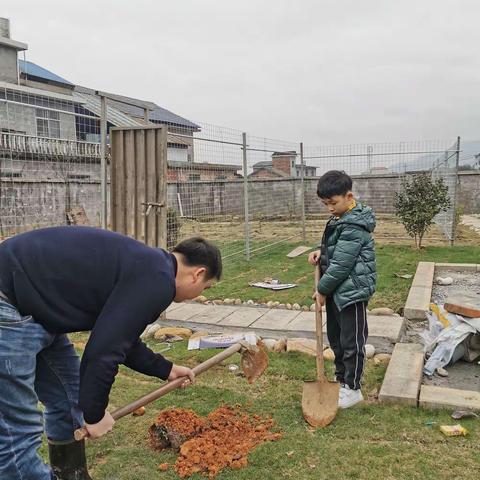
pixel 391 291
pixel 371 441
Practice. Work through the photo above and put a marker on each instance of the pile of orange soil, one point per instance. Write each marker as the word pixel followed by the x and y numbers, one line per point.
pixel 222 439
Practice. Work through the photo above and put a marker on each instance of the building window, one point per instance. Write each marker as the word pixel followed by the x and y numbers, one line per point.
pixel 194 177
pixel 48 123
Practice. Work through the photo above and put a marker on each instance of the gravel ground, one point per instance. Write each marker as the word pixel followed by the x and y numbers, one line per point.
pixel 466 285
pixel 464 289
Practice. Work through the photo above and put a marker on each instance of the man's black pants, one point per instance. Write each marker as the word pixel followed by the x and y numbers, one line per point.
pixel 347 332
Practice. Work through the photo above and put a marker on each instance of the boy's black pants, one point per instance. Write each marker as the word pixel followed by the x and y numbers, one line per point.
pixel 347 332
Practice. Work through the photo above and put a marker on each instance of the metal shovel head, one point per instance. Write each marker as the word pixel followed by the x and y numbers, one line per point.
pixel 320 402
pixel 254 362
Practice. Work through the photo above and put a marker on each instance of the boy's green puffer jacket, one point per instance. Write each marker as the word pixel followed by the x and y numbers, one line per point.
pixel 347 258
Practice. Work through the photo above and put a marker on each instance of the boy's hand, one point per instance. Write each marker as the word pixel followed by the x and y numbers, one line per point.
pixel 314 257
pixel 178 371
pixel 319 298
pixel 105 425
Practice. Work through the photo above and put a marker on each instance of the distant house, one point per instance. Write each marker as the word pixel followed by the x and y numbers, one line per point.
pixel 283 165
pixel 180 146
pixel 201 172
pixel 45 117
pixel 37 117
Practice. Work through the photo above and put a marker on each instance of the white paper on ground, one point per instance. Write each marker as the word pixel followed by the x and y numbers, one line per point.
pixel 273 286
pixel 221 340
pixel 445 340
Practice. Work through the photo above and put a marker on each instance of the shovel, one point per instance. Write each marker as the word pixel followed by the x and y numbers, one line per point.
pixel 254 362
pixel 320 397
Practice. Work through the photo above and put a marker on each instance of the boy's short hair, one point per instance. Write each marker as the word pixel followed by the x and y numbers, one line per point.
pixel 334 182
pixel 199 252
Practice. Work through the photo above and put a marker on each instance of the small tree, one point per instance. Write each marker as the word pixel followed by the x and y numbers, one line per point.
pixel 420 200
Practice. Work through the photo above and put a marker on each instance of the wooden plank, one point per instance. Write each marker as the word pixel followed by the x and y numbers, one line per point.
pixel 77 216
pixel 151 185
pixel 118 180
pixel 296 252
pixel 466 311
pixel 161 177
pixel 130 194
pixel 140 182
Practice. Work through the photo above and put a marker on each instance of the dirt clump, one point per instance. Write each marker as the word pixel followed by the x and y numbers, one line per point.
pixel 222 439
pixel 174 427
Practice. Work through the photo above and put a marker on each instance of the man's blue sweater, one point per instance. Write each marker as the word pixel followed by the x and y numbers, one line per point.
pixel 73 279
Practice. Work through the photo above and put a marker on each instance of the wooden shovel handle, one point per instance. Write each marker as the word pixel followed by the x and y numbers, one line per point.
pixel 82 433
pixel 319 331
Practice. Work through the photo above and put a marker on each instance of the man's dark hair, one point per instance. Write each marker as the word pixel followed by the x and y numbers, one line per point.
pixel 198 252
pixel 334 182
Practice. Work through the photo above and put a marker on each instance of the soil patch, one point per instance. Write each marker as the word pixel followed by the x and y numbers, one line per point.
pixel 222 439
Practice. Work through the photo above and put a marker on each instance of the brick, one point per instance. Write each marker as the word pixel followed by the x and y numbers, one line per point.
pixel 404 375
pixel 466 311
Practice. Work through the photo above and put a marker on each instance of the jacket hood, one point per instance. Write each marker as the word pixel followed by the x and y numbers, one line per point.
pixel 361 216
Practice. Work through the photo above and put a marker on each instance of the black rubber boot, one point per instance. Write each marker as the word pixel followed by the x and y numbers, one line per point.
pixel 68 460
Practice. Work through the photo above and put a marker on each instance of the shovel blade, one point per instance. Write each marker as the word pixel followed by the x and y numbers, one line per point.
pixel 320 402
pixel 254 362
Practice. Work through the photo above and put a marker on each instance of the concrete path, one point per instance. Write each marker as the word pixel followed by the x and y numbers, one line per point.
pixel 385 331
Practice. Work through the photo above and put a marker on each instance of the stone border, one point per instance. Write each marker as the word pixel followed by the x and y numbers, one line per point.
pixel 418 303
pixel 404 374
pixel 420 294
pixel 440 397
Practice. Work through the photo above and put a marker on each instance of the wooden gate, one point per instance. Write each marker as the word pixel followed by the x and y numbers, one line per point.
pixel 138 183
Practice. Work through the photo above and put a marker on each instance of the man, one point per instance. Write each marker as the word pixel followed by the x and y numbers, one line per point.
pixel 67 279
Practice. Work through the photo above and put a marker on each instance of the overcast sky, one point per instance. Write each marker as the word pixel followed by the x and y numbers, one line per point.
pixel 325 72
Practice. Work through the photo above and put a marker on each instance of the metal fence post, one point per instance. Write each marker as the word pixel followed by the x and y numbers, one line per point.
pixel 302 179
pixel 245 196
pixel 455 196
pixel 103 161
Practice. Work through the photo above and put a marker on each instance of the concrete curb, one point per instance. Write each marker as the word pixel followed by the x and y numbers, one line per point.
pixel 404 375
pixel 420 293
pixel 440 397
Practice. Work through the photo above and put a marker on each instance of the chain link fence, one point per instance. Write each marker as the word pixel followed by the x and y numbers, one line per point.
pixel 49 160
pixel 446 167
pixel 245 192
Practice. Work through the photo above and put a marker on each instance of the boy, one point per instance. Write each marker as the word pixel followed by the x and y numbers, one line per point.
pixel 67 279
pixel 348 277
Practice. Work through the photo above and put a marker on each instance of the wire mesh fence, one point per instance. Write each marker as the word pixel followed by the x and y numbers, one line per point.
pixel 245 192
pixel 49 160
pixel 446 167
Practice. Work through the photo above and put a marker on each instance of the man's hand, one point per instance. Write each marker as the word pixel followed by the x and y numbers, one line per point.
pixel 105 425
pixel 314 257
pixel 178 371
pixel 319 298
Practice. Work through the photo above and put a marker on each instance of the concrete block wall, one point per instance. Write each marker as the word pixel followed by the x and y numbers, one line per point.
pixel 40 196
